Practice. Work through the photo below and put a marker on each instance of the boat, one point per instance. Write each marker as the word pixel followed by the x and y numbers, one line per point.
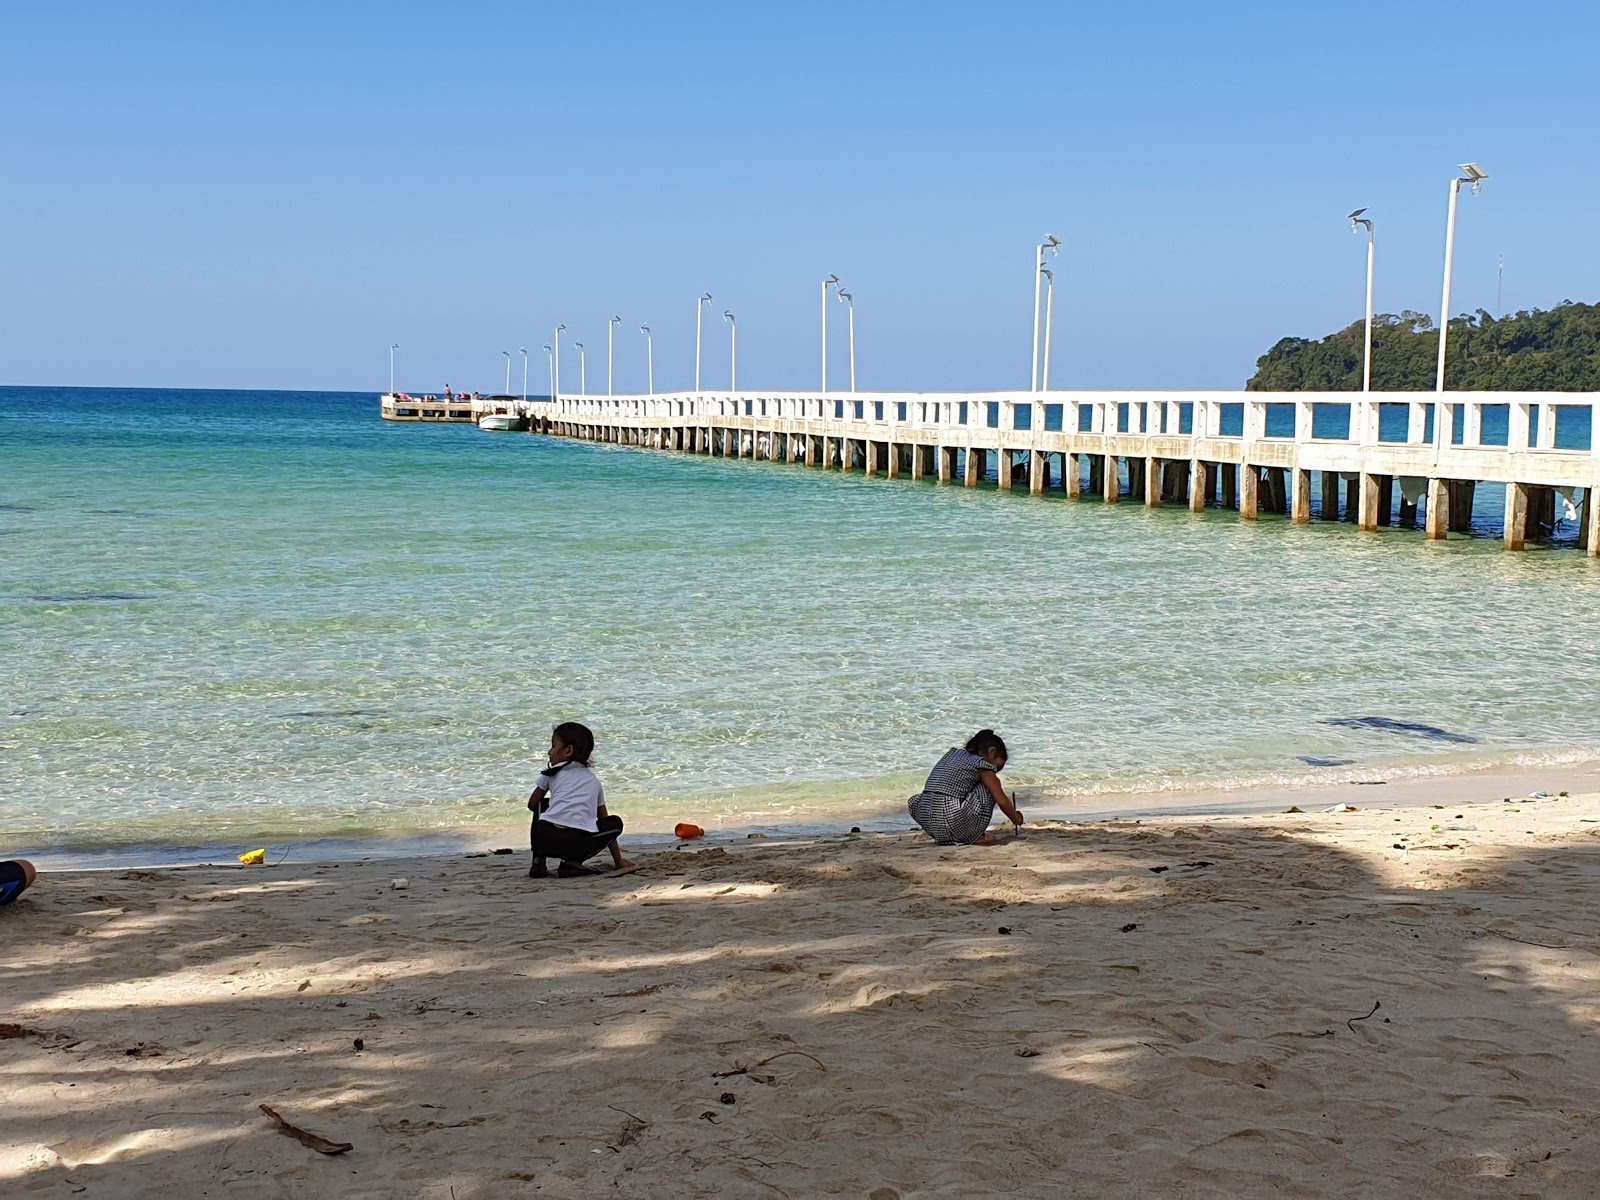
pixel 502 422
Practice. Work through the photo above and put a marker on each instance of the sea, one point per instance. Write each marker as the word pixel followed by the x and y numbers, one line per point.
pixel 236 619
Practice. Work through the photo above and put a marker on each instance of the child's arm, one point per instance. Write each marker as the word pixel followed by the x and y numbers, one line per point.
pixel 535 800
pixel 622 864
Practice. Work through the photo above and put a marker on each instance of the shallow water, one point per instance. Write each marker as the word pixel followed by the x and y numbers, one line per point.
pixel 231 617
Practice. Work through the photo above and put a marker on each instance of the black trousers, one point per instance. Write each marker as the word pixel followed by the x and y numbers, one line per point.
pixel 572 845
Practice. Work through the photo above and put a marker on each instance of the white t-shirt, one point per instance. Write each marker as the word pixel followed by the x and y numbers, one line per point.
pixel 575 794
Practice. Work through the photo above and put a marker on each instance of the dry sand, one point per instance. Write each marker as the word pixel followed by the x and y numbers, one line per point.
pixel 1056 1016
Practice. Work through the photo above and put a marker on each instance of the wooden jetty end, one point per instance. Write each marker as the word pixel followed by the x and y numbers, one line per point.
pixel 1371 454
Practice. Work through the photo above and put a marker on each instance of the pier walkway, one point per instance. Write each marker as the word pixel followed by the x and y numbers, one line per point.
pixel 1374 456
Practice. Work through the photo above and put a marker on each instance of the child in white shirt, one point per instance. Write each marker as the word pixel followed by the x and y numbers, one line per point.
pixel 570 820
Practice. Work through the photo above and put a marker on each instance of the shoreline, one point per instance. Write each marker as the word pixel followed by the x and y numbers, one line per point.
pixel 1391 1002
pixel 1408 791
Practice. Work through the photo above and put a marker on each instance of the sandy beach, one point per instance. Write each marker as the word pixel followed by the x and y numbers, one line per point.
pixel 1386 1002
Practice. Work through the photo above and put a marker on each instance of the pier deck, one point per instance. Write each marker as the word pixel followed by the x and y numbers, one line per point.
pixel 1377 456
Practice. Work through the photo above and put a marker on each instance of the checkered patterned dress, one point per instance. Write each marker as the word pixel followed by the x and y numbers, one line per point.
pixel 954 806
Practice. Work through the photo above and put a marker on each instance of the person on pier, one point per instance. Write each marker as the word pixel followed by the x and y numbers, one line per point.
pixel 570 821
pixel 957 803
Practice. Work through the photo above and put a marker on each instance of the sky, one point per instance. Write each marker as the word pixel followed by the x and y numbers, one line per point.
pixel 270 195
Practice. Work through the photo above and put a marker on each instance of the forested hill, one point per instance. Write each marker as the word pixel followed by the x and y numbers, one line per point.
pixel 1535 351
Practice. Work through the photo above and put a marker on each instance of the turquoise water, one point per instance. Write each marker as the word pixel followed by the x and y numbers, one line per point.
pixel 241 617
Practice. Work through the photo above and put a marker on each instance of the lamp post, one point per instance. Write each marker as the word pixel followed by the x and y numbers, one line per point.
pixel 1356 223
pixel 611 333
pixel 846 298
pixel 583 371
pixel 699 311
pixel 649 356
pixel 1049 319
pixel 830 281
pixel 1475 175
pixel 1050 243
pixel 555 391
pixel 507 353
pixel 551 356
pixel 392 349
pixel 523 350
pixel 733 344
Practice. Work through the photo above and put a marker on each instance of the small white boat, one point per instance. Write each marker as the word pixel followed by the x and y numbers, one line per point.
pixel 502 422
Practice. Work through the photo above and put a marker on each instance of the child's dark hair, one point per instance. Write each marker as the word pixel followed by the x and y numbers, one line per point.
pixel 986 739
pixel 580 738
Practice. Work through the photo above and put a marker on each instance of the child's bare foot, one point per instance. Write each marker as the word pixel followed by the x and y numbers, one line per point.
pixel 626 865
pixel 987 839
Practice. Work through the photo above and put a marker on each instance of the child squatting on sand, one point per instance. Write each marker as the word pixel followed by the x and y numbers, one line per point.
pixel 957 803
pixel 570 821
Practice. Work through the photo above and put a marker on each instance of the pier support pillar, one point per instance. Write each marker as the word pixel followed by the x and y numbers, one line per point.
pixel 1589 527
pixel 947 463
pixel 1199 476
pixel 1367 516
pixel 1038 472
pixel 1516 515
pixel 1436 520
pixel 1385 499
pixel 1072 477
pixel 869 452
pixel 1352 499
pixel 1003 470
pixel 977 466
pixel 1300 500
pixel 1230 484
pixel 894 460
pixel 916 461
pixel 827 453
pixel 1152 483
pixel 1111 477
pixel 1463 495
pixel 1249 491
pixel 1277 491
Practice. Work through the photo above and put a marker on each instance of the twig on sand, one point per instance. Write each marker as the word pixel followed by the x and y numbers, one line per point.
pixel 1511 937
pixel 741 1069
pixel 1376 1005
pixel 311 1140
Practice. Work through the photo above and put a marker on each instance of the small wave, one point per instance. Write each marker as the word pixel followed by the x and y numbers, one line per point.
pixel 18 508
pixel 322 713
pixel 1314 760
pixel 89 597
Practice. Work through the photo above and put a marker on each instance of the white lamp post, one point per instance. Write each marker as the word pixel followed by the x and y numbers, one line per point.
pixel 1475 175
pixel 1356 222
pixel 555 392
pixel 649 356
pixel 611 332
pixel 583 371
pixel 392 349
pixel 846 298
pixel 523 350
pixel 1050 243
pixel 551 356
pixel 830 281
pixel 733 344
pixel 507 391
pixel 1049 319
pixel 699 311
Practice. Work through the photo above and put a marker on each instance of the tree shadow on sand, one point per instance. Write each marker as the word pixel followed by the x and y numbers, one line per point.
pixel 1087 1011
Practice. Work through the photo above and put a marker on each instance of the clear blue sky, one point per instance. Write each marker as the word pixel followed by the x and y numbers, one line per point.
pixel 267 195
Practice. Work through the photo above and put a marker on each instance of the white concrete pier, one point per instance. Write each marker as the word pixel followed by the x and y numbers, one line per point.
pixel 1194 448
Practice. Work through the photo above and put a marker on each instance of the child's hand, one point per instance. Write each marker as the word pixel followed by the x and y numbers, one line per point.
pixel 533 805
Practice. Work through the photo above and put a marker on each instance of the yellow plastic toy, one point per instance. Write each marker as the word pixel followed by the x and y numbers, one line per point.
pixel 254 858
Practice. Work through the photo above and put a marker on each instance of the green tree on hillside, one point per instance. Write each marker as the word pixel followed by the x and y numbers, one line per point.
pixel 1534 351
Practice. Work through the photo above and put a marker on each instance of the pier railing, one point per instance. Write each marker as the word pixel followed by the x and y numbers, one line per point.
pixel 1235 443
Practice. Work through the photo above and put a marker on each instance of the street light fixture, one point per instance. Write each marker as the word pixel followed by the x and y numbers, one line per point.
pixel 392 349
pixel 846 298
pixel 733 342
pixel 523 350
pixel 1049 319
pixel 649 356
pixel 832 281
pixel 1051 243
pixel 1356 223
pixel 507 353
pixel 583 371
pixel 611 331
pixel 699 311
pixel 551 356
